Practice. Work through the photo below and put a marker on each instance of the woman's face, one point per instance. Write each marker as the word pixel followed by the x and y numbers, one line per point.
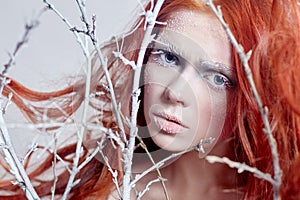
pixel 188 80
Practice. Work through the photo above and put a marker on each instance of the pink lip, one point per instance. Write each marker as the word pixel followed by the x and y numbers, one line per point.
pixel 168 123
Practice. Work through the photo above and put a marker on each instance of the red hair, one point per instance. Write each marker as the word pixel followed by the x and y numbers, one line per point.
pixel 270 29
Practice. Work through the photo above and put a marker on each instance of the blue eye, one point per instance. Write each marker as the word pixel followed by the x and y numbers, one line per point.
pixel 169 57
pixel 166 58
pixel 218 81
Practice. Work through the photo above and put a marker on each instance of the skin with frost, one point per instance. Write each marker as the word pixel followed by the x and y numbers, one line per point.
pixel 188 80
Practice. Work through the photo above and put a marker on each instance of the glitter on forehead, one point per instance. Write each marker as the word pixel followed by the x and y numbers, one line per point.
pixel 179 19
pixel 186 20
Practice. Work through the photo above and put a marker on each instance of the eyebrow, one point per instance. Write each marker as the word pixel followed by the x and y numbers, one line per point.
pixel 201 63
pixel 170 46
pixel 220 67
pixel 217 65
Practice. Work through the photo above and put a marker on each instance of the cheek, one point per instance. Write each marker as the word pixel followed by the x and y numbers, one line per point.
pixel 202 113
pixel 210 111
pixel 218 114
pixel 152 96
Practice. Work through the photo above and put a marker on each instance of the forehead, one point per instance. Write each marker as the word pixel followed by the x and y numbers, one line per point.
pixel 198 32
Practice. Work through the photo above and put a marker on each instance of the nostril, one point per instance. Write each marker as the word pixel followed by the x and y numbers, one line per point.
pixel 173 96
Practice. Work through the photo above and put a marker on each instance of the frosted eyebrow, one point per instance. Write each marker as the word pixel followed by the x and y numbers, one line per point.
pixel 216 65
pixel 219 67
pixel 166 45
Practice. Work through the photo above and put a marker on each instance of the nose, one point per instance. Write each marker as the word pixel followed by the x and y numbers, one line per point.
pixel 176 92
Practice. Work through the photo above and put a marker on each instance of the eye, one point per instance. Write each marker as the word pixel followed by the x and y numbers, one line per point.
pixel 166 58
pixel 218 81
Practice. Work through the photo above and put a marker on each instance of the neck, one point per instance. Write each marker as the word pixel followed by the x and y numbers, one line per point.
pixel 193 175
pixel 189 176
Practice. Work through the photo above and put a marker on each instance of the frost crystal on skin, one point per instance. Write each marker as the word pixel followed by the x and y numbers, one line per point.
pixel 182 21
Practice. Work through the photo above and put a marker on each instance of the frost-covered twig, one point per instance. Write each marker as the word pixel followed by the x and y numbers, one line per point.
pixel 244 57
pixel 174 155
pixel 80 133
pixel 158 165
pixel 55 179
pixel 241 167
pixel 125 60
pixel 64 163
pixel 29 27
pixel 7 103
pixel 15 166
pixel 150 20
pixel 147 188
pixel 7 149
pixel 114 173
pixel 91 34
pixel 89 158
pixel 70 26
pixel 32 149
pixel 116 138
pixel 162 180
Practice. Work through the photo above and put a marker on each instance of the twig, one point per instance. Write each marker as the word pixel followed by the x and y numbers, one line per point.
pixel 174 155
pixel 147 188
pixel 55 179
pixel 7 149
pixel 32 149
pixel 86 99
pixel 91 33
pixel 114 173
pixel 89 158
pixel 7 103
pixel 241 167
pixel 25 37
pixel 162 180
pixel 70 26
pixel 16 167
pixel 125 60
pixel 244 57
pixel 150 21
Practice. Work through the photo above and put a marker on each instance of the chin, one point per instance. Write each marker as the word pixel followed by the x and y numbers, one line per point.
pixel 171 143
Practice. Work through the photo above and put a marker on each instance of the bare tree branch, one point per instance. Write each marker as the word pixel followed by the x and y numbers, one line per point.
pixel 244 57
pixel 147 188
pixel 7 149
pixel 241 167
pixel 159 164
pixel 162 180
pixel 16 167
pixel 150 19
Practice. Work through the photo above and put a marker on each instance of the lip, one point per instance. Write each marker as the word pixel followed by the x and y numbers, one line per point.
pixel 169 124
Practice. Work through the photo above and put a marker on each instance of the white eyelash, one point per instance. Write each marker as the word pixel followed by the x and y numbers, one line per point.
pixel 157 52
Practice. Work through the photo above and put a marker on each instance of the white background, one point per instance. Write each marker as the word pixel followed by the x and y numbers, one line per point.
pixel 52 53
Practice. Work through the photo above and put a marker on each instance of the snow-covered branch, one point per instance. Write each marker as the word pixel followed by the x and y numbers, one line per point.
pixel 161 163
pixel 241 167
pixel 15 165
pixel 244 57
pixel 147 188
pixel 150 19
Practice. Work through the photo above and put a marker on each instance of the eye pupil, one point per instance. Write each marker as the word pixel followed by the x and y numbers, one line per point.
pixel 169 58
pixel 219 80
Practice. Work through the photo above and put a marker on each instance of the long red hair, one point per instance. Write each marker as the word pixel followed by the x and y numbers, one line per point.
pixel 269 28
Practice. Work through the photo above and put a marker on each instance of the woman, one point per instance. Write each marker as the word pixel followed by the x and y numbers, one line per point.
pixel 194 87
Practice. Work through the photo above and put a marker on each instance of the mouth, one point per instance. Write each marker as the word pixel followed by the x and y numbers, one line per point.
pixel 169 124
